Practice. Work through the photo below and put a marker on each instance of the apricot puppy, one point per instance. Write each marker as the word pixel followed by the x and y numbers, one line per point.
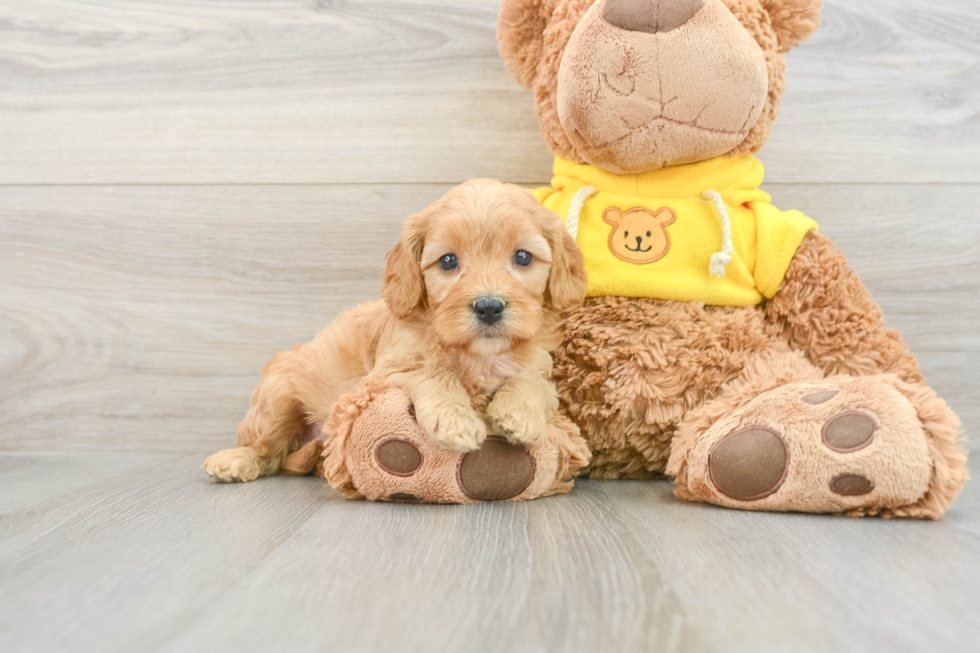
pixel 471 297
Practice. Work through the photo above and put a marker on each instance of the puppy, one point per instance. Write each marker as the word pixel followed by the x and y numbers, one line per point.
pixel 471 298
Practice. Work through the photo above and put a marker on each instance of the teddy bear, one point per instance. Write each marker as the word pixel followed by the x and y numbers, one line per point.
pixel 724 343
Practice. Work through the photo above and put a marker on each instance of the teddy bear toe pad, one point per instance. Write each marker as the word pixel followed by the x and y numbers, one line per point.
pixel 851 485
pixel 398 457
pixel 849 431
pixel 813 449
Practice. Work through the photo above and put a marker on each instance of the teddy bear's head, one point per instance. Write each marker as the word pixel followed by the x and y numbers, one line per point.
pixel 632 86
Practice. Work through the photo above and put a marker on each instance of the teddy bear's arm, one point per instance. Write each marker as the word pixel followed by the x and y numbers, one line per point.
pixel 823 309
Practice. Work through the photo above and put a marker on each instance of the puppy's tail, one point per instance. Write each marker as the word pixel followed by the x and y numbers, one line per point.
pixel 304 460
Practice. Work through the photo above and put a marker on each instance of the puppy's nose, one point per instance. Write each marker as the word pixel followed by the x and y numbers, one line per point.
pixel 488 310
pixel 650 16
pixel 639 241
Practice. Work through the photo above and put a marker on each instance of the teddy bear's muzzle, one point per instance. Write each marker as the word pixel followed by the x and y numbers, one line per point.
pixel 646 84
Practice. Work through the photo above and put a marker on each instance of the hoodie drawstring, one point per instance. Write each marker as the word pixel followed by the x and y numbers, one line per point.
pixel 720 260
pixel 575 209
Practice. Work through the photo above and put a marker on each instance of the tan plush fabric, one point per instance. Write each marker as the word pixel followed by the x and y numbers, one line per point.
pixel 637 101
pixel 533 37
pixel 367 420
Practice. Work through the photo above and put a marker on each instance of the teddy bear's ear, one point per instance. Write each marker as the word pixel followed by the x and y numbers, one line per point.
pixel 793 20
pixel 520 36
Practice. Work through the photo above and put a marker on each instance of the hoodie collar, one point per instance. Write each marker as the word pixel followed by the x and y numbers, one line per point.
pixel 731 176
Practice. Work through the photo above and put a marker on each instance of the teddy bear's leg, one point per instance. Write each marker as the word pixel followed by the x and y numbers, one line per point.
pixel 378 451
pixel 785 437
pixel 824 310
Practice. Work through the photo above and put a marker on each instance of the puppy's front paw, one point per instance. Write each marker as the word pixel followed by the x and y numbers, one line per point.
pixel 453 426
pixel 234 465
pixel 517 419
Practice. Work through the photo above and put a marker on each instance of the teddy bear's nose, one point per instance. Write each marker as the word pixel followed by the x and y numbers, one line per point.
pixel 650 16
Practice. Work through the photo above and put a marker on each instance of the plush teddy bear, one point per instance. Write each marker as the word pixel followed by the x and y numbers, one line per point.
pixel 725 342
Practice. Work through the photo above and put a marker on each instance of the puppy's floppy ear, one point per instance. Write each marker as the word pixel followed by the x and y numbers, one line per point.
pixel 403 288
pixel 567 282
pixel 520 36
pixel 793 20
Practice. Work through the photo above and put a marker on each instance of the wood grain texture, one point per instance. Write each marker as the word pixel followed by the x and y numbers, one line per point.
pixel 123 552
pixel 405 91
pixel 144 314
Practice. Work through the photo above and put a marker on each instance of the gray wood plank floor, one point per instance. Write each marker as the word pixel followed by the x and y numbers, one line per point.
pixel 186 188
pixel 138 551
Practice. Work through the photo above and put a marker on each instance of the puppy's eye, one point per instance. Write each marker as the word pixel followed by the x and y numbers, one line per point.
pixel 448 262
pixel 648 234
pixel 626 235
pixel 523 258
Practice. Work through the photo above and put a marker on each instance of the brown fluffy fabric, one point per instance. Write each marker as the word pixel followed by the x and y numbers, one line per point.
pixel 630 369
pixel 823 309
pixel 793 20
pixel 520 33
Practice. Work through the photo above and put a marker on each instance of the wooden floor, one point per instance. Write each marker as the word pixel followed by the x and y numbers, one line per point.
pixel 187 188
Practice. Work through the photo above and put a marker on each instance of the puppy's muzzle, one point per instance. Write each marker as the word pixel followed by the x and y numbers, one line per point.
pixel 489 310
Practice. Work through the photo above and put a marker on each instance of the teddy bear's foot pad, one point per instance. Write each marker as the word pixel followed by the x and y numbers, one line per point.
pixel 390 458
pixel 854 445
pixel 749 464
pixel 497 471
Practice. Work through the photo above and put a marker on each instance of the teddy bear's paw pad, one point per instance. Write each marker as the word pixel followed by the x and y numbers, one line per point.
pixel 845 444
pixel 398 457
pixel 817 398
pixel 849 431
pixel 749 464
pixel 497 471
pixel 851 485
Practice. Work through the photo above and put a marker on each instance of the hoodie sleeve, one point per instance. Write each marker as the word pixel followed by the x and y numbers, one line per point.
pixel 542 194
pixel 778 236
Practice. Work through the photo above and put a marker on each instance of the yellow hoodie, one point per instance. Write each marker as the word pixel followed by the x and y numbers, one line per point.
pixel 665 233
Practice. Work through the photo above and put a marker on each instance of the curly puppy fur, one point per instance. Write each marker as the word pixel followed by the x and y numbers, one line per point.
pixel 425 338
